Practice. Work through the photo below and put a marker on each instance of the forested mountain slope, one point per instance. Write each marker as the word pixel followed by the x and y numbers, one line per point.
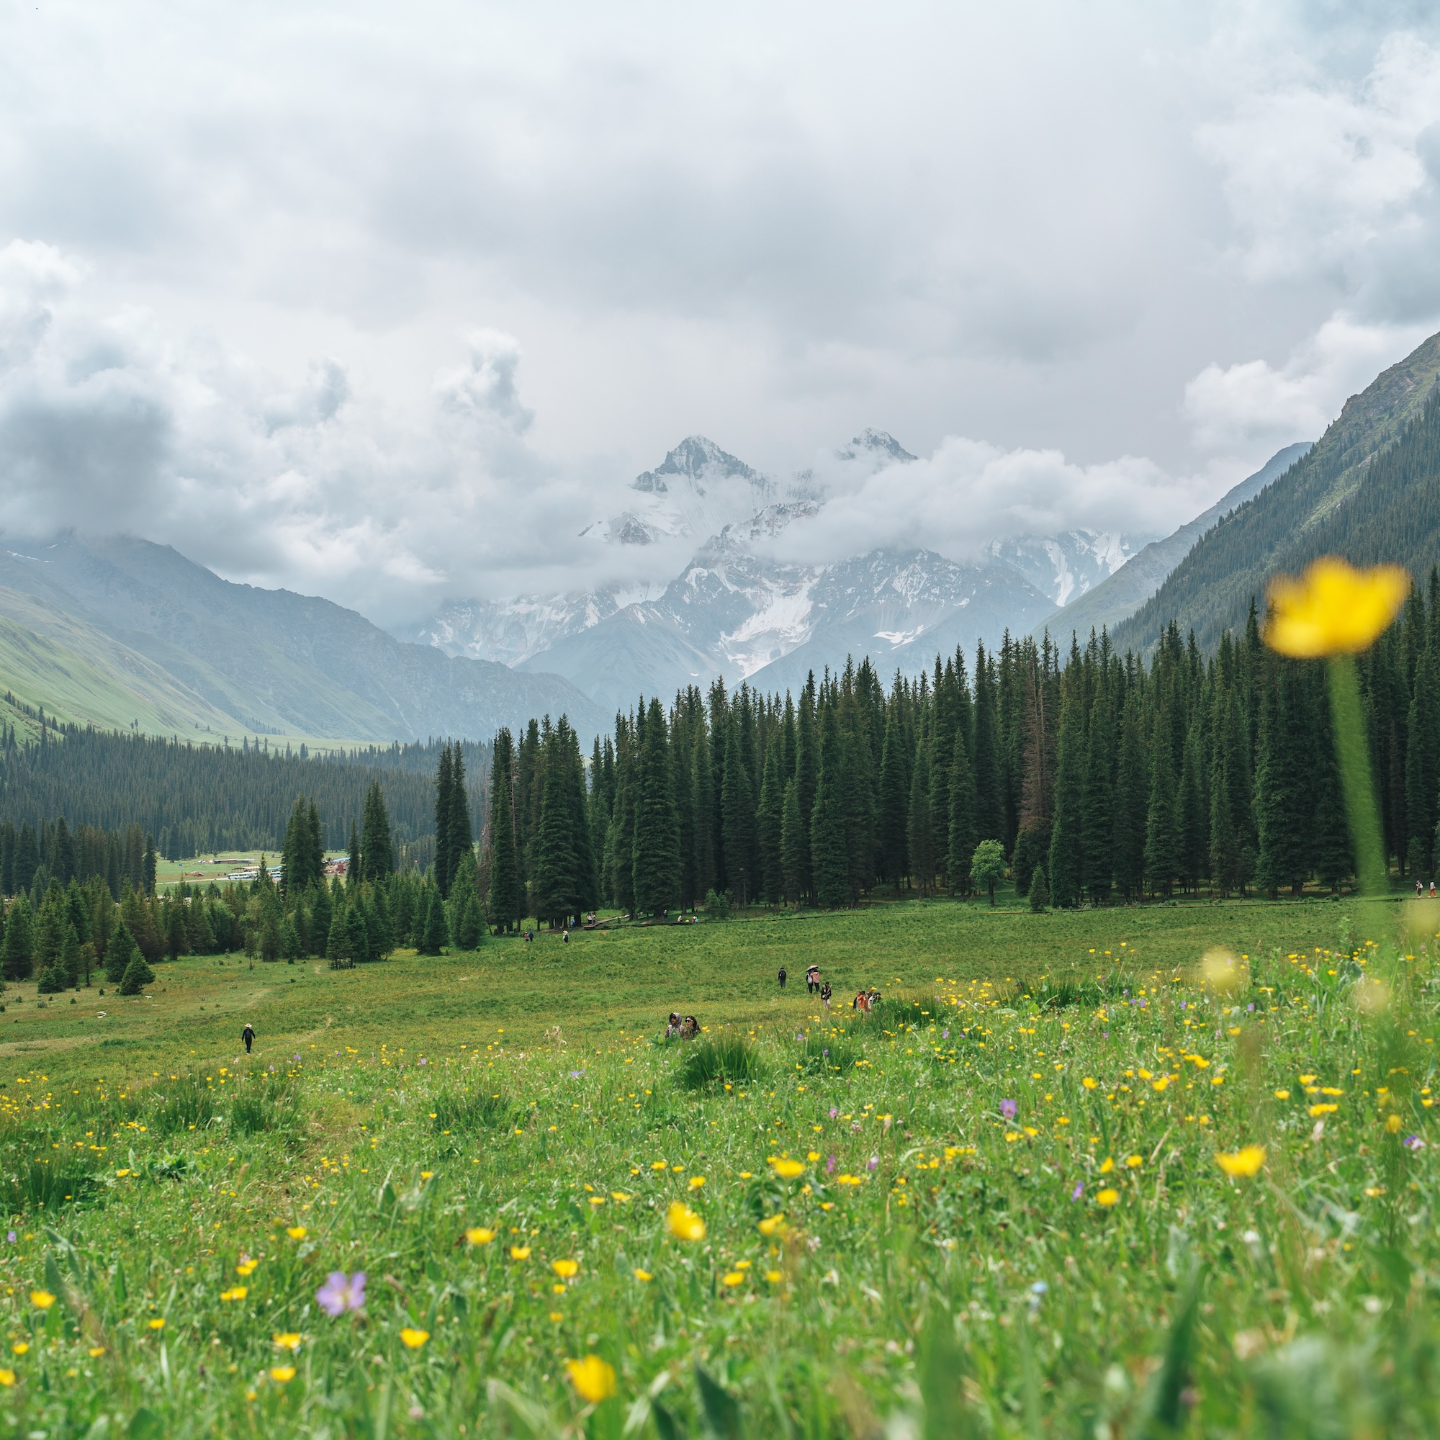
pixel 1120 595
pixel 1321 505
pixel 277 661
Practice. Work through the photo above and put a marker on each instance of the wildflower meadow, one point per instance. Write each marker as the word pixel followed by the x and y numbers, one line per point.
pixel 1073 1175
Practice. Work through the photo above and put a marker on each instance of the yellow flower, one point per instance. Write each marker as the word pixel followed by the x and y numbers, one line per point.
pixel 238 1292
pixel 1243 1162
pixel 96 1351
pixel 283 1373
pixel 1282 1094
pixel 427 1174
pixel 644 1276
pixel 519 1252
pixel 684 1223
pixel 734 1277
pixel 620 1197
pixel 413 1339
pixel 1107 1166
pixel 1333 609
pixel 245 1267
pixel 157 1323
pixel 7 1377
pixel 556 1316
pixel 592 1378
pixel 21 1347
pixel 849 1179
pixel 788 1169
pixel 774 1276
pixel 1134 1161
pixel 1308 1079
pixel 479 1235
pixel 41 1299
pixel 566 1269
pixel 1392 1125
pixel 771 1223
pixel 1089 1083
pixel 697 1182
pixel 289 1341
pixel 1318 1110
pixel 1108 1198
pixel 296 1232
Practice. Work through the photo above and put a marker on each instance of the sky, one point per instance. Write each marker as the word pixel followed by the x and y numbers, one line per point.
pixel 388 302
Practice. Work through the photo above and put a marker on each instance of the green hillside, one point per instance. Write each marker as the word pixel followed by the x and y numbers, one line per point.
pixel 1353 494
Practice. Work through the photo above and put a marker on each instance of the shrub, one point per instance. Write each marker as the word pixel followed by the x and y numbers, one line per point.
pixel 725 1059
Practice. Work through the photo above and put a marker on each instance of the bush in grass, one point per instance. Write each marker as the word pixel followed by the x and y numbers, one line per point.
pixel 724 1059
pixel 138 975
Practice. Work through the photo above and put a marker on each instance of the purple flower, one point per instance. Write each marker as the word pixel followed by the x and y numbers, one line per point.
pixel 945 1033
pixel 1078 1191
pixel 1411 1142
pixel 1251 1006
pixel 1008 1109
pixel 340 1293
pixel 799 1036
pixel 830 1165
pixel 873 1163
pixel 576 1074
pixel 11 1237
pixel 834 1111
pixel 423 1060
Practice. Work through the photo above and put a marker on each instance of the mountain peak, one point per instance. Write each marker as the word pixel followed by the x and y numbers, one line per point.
pixel 695 458
pixel 881 445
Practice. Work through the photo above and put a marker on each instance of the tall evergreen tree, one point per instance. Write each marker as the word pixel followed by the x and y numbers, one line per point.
pixel 657 823
pixel 793 849
pixel 1162 859
pixel 377 848
pixel 769 821
pixel 1281 860
pixel 444 798
pixel 507 896
pixel 737 813
pixel 1127 843
pixel 961 828
pixel 1066 859
pixel 989 801
pixel 1097 818
pixel 1422 766
pixel 829 861
pixel 461 835
pixel 892 858
pixel 921 827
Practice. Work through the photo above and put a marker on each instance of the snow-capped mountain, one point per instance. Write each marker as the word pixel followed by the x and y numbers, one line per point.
pixel 739 611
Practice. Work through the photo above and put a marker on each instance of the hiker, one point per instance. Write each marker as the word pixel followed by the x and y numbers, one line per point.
pixel 782 977
pixel 672 1025
pixel 248 1036
pixel 1432 889
pixel 812 979
pixel 825 994
pixel 565 937
pixel 1419 889
pixel 689 1028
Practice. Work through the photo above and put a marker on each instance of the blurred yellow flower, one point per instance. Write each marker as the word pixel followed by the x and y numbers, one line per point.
pixel 1333 609
pixel 787 1169
pixel 288 1341
pixel 96 1351
pixel 1282 1094
pixel 771 1223
pixel 696 1182
pixel 519 1252
pixel 7 1377
pixel 1107 1198
pixel 283 1373
pixel 236 1292
pixel 41 1299
pixel 644 1276
pixel 244 1268
pixel 1393 1124
pixel 413 1339
pixel 479 1235
pixel 683 1223
pixel 1089 1083
pixel 774 1276
pixel 296 1232
pixel 1107 1165
pixel 592 1378
pixel 1243 1162
pixel 734 1277
pixel 566 1269
pixel 20 1347
pixel 157 1323
pixel 1134 1161
pixel 1317 1110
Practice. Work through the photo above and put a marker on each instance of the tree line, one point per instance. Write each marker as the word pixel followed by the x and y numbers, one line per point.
pixel 1110 778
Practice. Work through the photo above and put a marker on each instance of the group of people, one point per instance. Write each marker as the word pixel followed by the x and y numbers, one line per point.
pixel 864 1001
pixel 676 1028
pixel 1420 889
pixel 813 983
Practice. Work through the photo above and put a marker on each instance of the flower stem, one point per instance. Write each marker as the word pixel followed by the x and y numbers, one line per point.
pixel 1354 758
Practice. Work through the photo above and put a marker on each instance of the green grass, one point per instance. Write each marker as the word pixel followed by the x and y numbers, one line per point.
pixel 943 1266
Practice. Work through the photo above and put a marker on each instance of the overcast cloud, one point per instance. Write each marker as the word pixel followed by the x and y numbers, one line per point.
pixel 388 302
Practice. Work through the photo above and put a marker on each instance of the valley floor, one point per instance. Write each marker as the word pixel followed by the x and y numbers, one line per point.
pixel 992 1207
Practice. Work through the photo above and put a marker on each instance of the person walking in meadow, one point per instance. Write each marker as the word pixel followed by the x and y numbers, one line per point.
pixel 248 1036
pixel 782 977
pixel 825 994
pixel 812 979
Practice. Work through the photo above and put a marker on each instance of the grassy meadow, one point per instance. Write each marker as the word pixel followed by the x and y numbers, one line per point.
pixel 992 1207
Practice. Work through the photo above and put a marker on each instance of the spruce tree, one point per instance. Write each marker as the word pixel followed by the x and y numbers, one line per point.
pixel 434 937
pixel 829 861
pixel 150 866
pixel 506 895
pixel 377 848
pixel 656 846
pixel 1162 859
pixel 1039 888
pixel 807 780
pixel 891 824
pixel 737 817
pixel 122 950
pixel 462 837
pixel 961 827
pixel 355 867
pixel 337 941
pixel 1191 821
pixel 1422 767
pixel 989 800
pixel 1127 843
pixel 1066 858
pixel 702 779
pixel 921 826
pixel 71 957
pixel 793 850
pixel 137 976
pixel 17 955
pixel 769 821
pixel 444 795
pixel 1097 819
